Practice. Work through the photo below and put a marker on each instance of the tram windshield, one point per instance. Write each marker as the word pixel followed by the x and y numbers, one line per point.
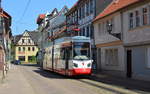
pixel 81 51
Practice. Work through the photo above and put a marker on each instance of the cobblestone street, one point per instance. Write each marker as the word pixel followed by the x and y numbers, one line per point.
pixel 31 80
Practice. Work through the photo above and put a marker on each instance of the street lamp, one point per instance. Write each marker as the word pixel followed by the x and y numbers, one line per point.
pixel 109 30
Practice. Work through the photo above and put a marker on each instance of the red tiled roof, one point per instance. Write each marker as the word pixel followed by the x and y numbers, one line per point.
pixel 4 14
pixel 115 6
pixel 40 17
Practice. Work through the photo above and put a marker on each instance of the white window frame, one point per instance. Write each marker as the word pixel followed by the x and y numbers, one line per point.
pixel 129 18
pixel 111 58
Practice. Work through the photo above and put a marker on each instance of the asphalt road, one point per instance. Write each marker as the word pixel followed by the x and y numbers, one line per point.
pixel 29 79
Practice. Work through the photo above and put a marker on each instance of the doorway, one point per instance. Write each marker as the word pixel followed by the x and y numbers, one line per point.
pixel 129 63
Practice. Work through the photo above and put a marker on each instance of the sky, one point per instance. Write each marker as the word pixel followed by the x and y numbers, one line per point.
pixel 21 20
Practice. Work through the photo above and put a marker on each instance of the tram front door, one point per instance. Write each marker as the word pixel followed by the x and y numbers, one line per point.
pixel 67 58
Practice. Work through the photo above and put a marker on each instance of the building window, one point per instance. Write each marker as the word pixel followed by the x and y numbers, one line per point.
pixel 111 57
pixel 83 32
pixel 145 16
pixel 80 13
pixel 24 48
pixel 29 41
pixel 22 40
pixel 83 11
pixel 87 31
pixel 29 48
pixel 87 8
pixel 33 48
pixel 21 58
pixel 91 31
pixel 91 6
pixel 137 18
pixel 80 33
pixel 131 20
pixel 76 16
pixel 19 48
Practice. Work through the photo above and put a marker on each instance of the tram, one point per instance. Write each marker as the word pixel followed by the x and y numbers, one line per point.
pixel 69 56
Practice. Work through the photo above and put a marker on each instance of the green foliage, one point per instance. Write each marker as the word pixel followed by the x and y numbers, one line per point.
pixel 32 59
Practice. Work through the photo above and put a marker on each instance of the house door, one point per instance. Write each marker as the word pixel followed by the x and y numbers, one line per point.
pixel 129 63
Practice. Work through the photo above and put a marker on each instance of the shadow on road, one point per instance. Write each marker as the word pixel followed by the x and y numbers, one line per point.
pixel 130 84
pixel 49 74
pixel 30 65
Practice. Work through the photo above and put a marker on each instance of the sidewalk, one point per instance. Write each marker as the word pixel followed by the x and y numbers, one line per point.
pixel 1 76
pixel 15 83
pixel 131 84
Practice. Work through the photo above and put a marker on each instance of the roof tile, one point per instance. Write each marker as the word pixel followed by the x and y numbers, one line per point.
pixel 115 6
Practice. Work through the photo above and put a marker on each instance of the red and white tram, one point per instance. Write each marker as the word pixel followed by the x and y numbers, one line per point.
pixel 69 56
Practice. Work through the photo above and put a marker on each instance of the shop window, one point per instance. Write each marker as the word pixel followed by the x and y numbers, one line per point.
pixel 22 58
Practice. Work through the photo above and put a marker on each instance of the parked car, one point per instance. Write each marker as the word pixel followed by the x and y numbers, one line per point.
pixel 17 62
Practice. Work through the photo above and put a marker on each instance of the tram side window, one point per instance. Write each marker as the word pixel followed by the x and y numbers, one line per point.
pixel 65 53
pixel 62 53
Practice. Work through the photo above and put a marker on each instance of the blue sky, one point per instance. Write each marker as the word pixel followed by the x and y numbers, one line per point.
pixel 16 8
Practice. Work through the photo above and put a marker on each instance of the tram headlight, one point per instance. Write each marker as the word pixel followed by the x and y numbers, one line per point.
pixel 89 65
pixel 75 65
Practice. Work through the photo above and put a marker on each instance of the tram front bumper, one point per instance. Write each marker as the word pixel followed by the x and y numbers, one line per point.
pixel 84 71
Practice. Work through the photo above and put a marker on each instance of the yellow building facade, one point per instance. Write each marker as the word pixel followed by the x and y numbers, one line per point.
pixel 26 48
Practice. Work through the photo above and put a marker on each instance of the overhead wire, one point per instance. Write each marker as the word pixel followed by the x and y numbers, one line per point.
pixel 23 14
pixel 25 10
